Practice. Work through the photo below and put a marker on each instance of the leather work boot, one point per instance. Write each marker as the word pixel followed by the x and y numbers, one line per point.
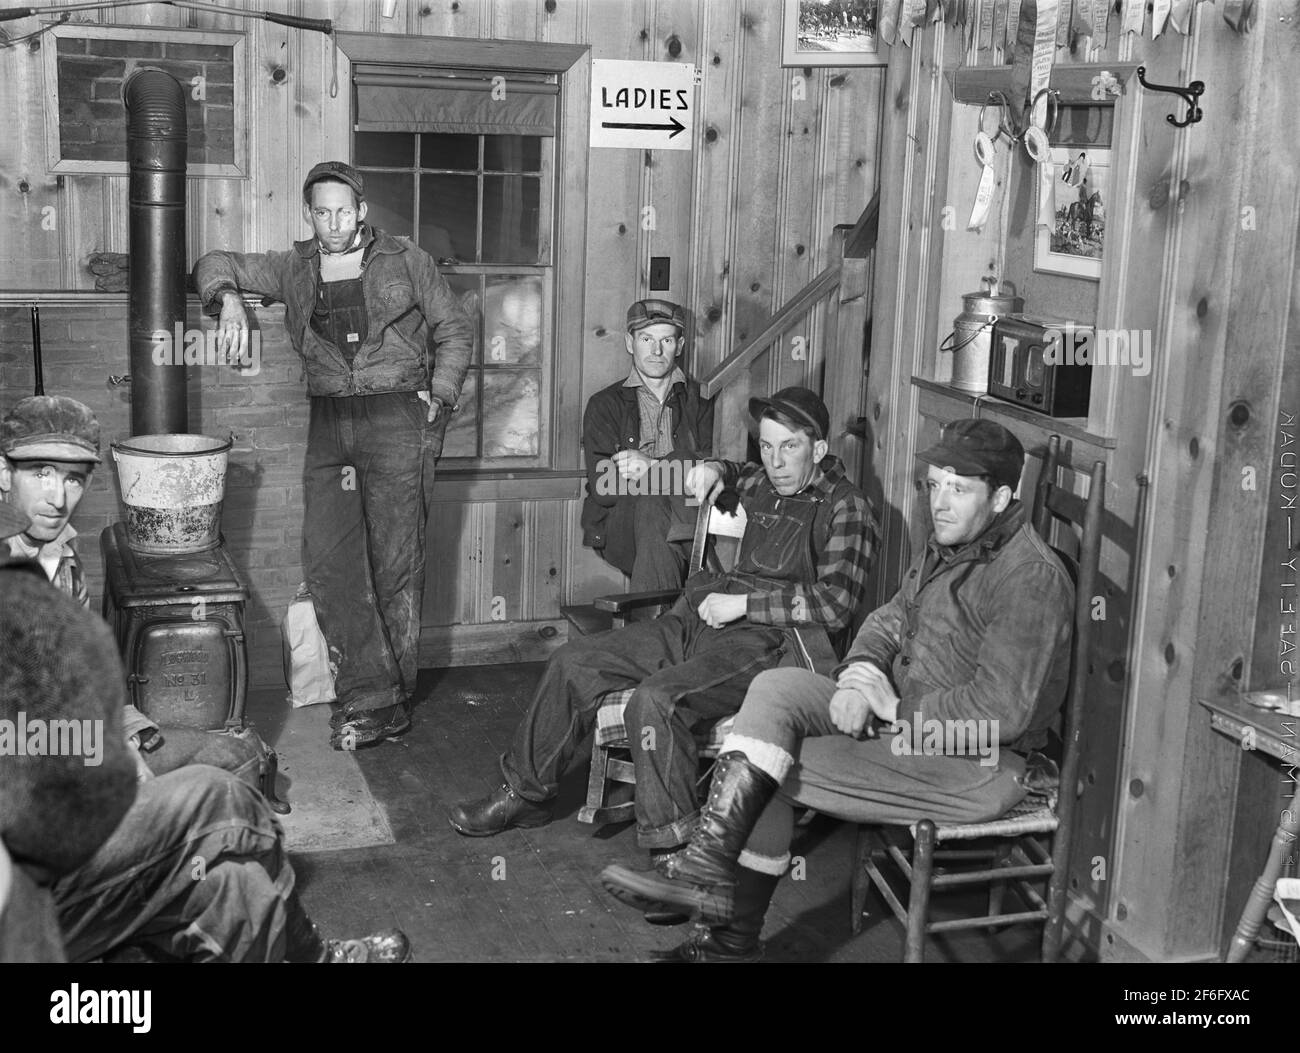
pixel 370 727
pixel 737 941
pixel 664 863
pixel 389 947
pixel 703 877
pixel 501 810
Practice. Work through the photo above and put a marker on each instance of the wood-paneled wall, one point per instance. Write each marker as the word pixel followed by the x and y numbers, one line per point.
pixel 1173 819
pixel 779 157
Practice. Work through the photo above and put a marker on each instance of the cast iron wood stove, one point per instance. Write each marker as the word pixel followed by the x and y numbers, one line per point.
pixel 179 623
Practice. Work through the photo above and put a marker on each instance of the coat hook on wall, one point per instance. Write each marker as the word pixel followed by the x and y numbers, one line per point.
pixel 1188 94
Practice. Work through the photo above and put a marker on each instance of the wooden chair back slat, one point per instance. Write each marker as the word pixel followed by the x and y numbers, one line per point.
pixel 1052 501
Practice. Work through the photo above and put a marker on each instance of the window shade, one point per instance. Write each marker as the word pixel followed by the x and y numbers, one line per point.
pixel 398 102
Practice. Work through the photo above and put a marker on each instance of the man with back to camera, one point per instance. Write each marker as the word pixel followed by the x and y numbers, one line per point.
pixel 632 433
pixel 385 345
pixel 190 864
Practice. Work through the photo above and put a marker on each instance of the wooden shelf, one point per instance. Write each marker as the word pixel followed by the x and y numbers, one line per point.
pixel 462 485
pixel 987 406
pixel 972 84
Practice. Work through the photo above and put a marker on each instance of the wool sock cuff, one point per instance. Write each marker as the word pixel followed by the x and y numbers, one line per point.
pixel 765 756
pixel 774 865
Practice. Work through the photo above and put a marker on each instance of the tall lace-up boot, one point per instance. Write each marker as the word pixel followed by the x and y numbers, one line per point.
pixel 701 881
pixel 738 940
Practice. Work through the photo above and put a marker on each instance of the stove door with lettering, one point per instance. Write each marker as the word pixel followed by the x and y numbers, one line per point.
pixel 183 674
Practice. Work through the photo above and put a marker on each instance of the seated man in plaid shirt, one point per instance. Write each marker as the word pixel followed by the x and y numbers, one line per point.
pixel 802 563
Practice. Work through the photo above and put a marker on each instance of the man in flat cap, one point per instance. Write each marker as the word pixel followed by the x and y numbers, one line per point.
pixel 631 433
pixel 385 345
pixel 978 635
pixel 800 574
pixel 49 446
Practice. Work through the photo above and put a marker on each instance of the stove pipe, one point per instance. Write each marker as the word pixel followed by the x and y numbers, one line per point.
pixel 155 151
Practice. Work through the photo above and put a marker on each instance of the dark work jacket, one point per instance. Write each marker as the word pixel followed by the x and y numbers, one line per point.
pixel 613 422
pixel 419 337
pixel 979 632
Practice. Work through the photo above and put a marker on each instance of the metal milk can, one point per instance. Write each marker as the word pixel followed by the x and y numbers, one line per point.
pixel 971 341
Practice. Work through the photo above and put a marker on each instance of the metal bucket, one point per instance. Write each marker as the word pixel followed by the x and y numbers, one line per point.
pixel 971 341
pixel 173 486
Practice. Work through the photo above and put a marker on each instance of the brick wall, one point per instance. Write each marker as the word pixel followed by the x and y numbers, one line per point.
pixel 262 518
pixel 92 119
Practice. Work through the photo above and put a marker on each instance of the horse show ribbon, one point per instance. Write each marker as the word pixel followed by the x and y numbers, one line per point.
pixel 984 152
pixel 1040 73
pixel 1135 12
pixel 1159 15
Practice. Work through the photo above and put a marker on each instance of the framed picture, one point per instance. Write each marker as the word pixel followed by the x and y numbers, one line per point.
pixel 830 33
pixel 85 117
pixel 1072 194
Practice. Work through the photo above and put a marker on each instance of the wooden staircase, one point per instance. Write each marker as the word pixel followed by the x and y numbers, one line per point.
pixel 758 366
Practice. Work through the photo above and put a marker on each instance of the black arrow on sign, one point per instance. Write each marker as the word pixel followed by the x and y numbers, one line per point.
pixel 676 126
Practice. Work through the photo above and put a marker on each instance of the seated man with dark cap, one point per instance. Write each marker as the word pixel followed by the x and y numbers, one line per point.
pixel 49 446
pixel 190 864
pixel 634 433
pixel 974 649
pixel 802 565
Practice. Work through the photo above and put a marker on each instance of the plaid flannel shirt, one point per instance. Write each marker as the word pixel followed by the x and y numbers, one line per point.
pixel 842 563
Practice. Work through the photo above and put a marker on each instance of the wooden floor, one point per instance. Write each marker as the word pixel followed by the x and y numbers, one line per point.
pixel 533 895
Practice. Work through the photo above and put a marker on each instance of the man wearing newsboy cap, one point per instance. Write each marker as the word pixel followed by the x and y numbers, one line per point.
pixel 632 432
pixel 385 346
pixel 49 446
pixel 978 632
pixel 800 574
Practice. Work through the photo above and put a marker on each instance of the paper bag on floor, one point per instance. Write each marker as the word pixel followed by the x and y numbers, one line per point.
pixel 306 656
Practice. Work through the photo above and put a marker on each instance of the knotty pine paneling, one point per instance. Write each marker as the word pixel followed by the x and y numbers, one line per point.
pixel 766 174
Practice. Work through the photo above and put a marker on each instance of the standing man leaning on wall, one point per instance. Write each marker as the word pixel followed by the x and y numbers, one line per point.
pixel 385 345
pixel 630 431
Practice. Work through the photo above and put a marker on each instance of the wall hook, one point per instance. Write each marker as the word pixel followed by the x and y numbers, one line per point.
pixel 1188 94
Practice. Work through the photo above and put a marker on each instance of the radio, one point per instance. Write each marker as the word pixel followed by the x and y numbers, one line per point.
pixel 1036 364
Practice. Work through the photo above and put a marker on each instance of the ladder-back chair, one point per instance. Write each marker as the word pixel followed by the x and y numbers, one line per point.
pixel 716 541
pixel 1031 841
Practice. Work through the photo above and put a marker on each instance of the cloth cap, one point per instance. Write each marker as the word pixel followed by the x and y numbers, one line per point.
pixel 338 171
pixel 978 447
pixel 799 404
pixel 50 428
pixel 653 312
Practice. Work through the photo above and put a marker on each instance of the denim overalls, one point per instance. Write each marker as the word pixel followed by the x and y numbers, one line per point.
pixel 685 675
